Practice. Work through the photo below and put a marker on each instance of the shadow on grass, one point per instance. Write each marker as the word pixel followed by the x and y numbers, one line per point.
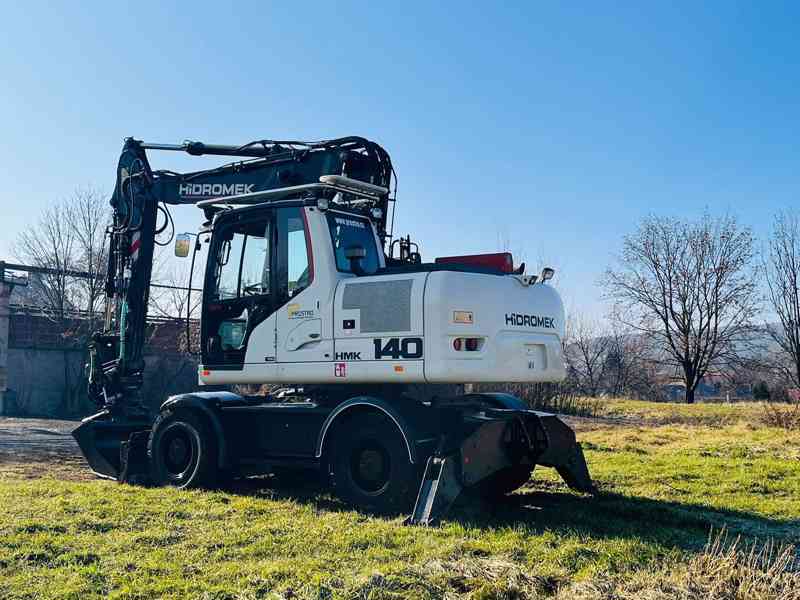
pixel 613 515
pixel 302 487
pixel 535 511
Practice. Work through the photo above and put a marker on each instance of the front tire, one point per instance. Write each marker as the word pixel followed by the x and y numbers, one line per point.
pixel 371 466
pixel 182 451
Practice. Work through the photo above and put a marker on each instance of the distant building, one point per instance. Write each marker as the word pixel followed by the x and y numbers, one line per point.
pixel 714 386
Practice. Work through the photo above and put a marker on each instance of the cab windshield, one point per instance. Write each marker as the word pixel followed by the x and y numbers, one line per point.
pixel 347 231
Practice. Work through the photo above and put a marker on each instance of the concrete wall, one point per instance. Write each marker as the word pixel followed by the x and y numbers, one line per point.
pixel 43 382
pixel 5 294
pixel 47 382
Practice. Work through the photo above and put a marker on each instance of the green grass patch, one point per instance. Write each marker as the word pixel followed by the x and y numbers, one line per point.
pixel 665 487
pixel 713 414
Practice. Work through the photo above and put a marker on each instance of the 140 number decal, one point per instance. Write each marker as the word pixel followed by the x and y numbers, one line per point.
pixel 398 348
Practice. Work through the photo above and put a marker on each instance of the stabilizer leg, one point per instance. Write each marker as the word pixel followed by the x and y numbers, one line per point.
pixel 493 445
pixel 440 488
pixel 134 463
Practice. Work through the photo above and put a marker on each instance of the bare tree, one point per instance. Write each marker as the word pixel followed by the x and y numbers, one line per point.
pixel 689 287
pixel 628 370
pixel 585 353
pixel 783 284
pixel 50 244
pixel 69 236
pixel 169 296
pixel 87 214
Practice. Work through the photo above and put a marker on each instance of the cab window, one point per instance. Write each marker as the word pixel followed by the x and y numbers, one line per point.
pixel 348 230
pixel 295 269
pixel 242 267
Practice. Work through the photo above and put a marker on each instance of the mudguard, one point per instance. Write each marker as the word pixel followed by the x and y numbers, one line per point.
pixel 208 404
pixel 386 408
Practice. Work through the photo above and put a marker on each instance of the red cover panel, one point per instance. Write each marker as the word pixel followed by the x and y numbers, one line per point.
pixel 501 261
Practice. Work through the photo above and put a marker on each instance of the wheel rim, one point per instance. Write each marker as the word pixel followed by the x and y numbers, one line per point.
pixel 178 453
pixel 370 468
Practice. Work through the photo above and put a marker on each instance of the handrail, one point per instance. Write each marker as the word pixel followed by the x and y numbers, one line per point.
pixel 337 183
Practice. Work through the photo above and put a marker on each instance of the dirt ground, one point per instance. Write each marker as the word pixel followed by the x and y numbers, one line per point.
pixel 31 448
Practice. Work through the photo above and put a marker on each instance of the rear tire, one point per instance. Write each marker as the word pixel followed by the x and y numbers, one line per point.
pixel 371 466
pixel 182 451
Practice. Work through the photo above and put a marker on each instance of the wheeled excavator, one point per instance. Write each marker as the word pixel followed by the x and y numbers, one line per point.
pixel 306 289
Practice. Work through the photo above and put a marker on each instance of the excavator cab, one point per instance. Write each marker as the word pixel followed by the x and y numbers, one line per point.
pixel 260 260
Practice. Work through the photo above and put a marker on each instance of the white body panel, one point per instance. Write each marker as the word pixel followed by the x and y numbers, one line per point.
pixel 400 327
pixel 512 349
pixel 355 347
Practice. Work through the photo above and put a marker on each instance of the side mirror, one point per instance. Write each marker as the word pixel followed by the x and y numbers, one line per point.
pixel 183 244
pixel 355 254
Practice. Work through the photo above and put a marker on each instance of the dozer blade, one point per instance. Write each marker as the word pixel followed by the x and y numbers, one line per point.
pixel 111 446
pixel 503 441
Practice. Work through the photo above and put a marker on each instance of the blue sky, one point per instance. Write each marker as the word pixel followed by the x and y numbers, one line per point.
pixel 552 126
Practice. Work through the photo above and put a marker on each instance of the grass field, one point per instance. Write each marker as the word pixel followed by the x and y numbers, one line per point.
pixel 671 477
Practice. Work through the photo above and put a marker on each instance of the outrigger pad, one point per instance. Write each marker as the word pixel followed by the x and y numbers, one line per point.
pixel 564 454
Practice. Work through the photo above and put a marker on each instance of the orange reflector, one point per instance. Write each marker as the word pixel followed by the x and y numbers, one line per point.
pixel 398 369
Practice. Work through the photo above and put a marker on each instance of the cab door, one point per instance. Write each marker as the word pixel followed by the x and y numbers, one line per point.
pixel 304 313
pixel 239 293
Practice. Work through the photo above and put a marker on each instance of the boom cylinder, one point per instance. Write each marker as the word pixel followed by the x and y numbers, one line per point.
pixel 257 150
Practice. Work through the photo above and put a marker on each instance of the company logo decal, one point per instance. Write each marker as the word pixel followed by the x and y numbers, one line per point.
pixel 350 223
pixel 213 190
pixel 348 356
pixel 520 320
pixel 295 312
